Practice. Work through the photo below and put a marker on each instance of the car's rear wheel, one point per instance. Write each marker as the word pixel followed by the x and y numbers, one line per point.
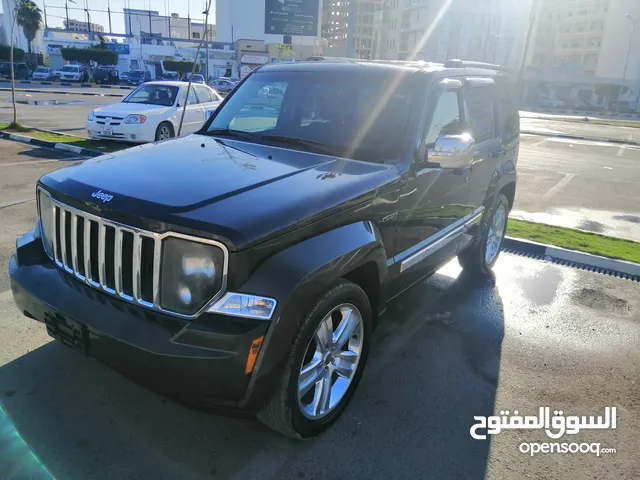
pixel 480 257
pixel 164 132
pixel 325 364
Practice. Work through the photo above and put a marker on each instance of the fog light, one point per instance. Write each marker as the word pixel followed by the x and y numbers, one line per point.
pixel 133 136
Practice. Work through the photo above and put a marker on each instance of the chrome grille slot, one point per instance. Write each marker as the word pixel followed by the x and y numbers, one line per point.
pixel 119 260
pixel 122 261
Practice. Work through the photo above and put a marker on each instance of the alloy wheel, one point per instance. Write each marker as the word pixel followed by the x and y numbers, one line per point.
pixel 496 233
pixel 330 361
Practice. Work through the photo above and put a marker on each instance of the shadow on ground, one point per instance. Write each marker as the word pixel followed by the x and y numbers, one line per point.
pixel 434 365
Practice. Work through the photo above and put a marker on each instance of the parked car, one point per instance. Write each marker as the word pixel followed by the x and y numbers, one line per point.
pixel 246 265
pixel 137 77
pixel 171 76
pixel 222 86
pixel 152 112
pixel 57 74
pixel 43 73
pixel 20 70
pixel 124 77
pixel 74 73
pixel 196 78
pixel 106 74
pixel 549 101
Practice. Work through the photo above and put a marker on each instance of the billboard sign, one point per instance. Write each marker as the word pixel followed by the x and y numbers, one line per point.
pixel 291 17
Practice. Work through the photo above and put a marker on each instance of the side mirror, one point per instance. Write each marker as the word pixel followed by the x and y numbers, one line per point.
pixel 452 151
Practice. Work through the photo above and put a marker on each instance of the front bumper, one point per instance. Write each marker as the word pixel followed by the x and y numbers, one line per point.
pixel 133 133
pixel 200 363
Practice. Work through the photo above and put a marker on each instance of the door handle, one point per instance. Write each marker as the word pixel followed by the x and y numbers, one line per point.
pixel 498 153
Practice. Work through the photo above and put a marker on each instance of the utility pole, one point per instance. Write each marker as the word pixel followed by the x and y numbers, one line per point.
pixel 532 21
pixel 626 63
pixel 109 12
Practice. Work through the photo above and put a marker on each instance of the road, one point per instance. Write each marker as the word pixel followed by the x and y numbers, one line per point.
pixel 593 186
pixel 537 334
pixel 578 184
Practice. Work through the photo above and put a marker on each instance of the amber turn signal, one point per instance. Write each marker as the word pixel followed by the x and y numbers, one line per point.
pixel 253 354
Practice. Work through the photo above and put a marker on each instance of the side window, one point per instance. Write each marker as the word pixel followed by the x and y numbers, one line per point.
pixel 203 95
pixel 479 101
pixel 193 99
pixel 446 117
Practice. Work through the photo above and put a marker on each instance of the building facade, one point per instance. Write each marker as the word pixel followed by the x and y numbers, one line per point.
pixel 80 26
pixel 149 25
pixel 437 30
pixel 348 27
pixel 579 47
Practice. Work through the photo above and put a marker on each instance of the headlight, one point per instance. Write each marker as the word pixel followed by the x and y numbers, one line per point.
pixel 91 116
pixel 135 119
pixel 192 274
pixel 47 222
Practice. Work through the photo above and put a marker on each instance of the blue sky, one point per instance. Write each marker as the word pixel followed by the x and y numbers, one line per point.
pixel 56 12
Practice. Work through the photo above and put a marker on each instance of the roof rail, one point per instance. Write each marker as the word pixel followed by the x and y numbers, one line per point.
pixel 472 64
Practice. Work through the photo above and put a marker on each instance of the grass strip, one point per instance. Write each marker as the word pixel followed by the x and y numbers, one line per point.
pixel 569 238
pixel 105 146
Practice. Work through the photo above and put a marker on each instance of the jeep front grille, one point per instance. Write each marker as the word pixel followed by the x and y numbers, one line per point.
pixel 120 260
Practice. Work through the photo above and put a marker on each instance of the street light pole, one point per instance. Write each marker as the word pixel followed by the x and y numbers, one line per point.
pixel 626 63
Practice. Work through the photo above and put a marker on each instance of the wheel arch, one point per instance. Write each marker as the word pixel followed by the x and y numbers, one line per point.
pixel 303 271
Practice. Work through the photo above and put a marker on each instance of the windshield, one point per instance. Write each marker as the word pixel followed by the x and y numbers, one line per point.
pixel 70 68
pixel 42 70
pixel 355 115
pixel 136 73
pixel 153 95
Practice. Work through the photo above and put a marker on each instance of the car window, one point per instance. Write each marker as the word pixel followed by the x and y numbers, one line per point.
pixel 344 114
pixel 445 119
pixel 204 95
pixel 193 99
pixel 153 94
pixel 479 102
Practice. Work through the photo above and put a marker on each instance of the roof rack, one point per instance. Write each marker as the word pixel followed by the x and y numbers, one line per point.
pixel 472 64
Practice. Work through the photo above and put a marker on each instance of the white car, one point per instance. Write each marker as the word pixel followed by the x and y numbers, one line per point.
pixel 75 73
pixel 152 112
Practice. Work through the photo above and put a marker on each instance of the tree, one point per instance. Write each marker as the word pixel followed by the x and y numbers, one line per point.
pixel 611 92
pixel 284 48
pixel 96 53
pixel 29 17
pixel 5 53
pixel 181 66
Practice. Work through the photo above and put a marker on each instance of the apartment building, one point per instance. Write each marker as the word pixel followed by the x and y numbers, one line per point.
pixel 347 26
pixel 437 30
pixel 80 26
pixel 578 46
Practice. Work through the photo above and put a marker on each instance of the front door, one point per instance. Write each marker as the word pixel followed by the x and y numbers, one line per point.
pixel 194 114
pixel 432 204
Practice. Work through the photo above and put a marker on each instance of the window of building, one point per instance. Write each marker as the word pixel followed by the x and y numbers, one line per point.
pixel 590 60
pixel 565 29
pixel 479 101
pixel 577 44
pixel 583 12
pixel 564 45
pixel 195 34
pixel 445 119
pixel 597 25
pixel 593 42
pixel 581 27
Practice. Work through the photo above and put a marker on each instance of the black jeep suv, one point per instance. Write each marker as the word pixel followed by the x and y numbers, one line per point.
pixel 245 266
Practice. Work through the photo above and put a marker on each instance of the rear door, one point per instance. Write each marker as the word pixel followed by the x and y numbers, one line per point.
pixel 208 100
pixel 480 104
pixel 194 114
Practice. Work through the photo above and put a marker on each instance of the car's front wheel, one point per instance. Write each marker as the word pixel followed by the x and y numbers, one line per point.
pixel 325 364
pixel 480 257
pixel 164 131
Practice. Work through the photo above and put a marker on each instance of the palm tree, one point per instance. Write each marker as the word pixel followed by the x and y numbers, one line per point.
pixel 29 17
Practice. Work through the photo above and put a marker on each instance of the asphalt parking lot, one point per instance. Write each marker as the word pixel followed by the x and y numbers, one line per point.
pixel 538 334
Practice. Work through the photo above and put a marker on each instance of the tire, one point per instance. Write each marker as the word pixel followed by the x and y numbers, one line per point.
pixel 292 416
pixel 481 256
pixel 165 128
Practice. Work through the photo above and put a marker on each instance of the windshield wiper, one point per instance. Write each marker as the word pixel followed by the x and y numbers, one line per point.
pixel 308 145
pixel 228 132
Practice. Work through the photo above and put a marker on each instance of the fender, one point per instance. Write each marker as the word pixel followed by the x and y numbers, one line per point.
pixel 503 175
pixel 303 271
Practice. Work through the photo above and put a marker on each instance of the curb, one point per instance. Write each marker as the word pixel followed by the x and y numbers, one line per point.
pixel 44 143
pixel 68 84
pixel 547 111
pixel 60 92
pixel 580 137
pixel 587 261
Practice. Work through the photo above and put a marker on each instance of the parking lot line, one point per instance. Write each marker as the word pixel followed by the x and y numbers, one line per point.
pixel 16 202
pixel 558 186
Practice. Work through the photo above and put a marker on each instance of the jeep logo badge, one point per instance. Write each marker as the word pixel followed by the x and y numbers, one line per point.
pixel 100 195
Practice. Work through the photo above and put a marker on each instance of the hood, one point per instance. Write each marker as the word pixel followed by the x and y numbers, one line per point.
pixel 240 192
pixel 123 109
